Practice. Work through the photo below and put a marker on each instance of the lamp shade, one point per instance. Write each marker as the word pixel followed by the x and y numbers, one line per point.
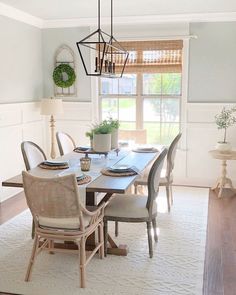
pixel 51 106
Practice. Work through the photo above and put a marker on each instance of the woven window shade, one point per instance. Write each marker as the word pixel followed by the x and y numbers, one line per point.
pixel 152 56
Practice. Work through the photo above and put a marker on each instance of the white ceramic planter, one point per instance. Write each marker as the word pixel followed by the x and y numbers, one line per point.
pixel 223 146
pixel 102 142
pixel 114 139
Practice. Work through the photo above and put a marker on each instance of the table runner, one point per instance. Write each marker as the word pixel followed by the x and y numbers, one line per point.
pixel 97 163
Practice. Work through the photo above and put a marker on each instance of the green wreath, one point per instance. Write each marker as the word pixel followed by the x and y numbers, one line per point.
pixel 64 76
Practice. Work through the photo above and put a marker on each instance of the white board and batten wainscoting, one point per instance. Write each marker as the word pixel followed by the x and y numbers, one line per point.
pixel 194 166
pixel 22 121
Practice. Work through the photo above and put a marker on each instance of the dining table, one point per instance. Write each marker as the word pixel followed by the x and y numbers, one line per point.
pixel 101 187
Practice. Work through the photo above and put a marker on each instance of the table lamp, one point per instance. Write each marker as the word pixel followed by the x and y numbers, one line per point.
pixel 51 107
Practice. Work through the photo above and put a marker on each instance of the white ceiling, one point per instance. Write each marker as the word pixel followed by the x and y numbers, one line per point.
pixel 71 9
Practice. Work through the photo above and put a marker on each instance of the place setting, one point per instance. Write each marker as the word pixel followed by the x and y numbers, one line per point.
pixel 120 170
pixel 54 165
pixel 145 149
pixel 81 177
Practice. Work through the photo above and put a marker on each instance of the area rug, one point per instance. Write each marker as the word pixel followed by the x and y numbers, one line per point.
pixel 176 268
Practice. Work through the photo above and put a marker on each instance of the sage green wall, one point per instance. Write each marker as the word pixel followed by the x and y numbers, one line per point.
pixel 54 38
pixel 212 62
pixel 21 61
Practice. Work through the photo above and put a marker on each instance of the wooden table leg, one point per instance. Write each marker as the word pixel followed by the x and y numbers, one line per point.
pixel 113 248
pixel 121 250
pixel 223 180
pixel 216 185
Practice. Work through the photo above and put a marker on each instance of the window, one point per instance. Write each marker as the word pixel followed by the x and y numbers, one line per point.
pixel 148 96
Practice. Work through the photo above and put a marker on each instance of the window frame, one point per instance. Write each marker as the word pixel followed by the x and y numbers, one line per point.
pixel 139 98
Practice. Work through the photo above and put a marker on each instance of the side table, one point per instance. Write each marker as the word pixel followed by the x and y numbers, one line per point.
pixel 223 180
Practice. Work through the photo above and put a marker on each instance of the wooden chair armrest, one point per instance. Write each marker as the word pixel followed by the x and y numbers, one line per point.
pixel 96 214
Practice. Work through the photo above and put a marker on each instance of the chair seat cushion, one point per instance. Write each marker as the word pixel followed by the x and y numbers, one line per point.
pixel 128 207
pixel 62 223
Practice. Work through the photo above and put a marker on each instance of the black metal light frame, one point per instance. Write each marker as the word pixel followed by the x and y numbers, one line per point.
pixel 104 66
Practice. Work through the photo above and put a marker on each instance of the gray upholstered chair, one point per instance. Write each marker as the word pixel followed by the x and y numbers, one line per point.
pixel 59 216
pixel 32 154
pixel 166 175
pixel 65 143
pixel 136 208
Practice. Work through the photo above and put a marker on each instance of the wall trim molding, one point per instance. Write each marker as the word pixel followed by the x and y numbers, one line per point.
pixel 147 19
pixel 20 15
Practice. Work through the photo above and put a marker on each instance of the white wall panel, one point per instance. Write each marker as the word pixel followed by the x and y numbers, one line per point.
pixel 19 121
pixel 194 165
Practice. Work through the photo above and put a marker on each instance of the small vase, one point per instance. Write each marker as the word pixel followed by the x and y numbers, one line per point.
pixel 223 146
pixel 102 143
pixel 114 139
pixel 91 143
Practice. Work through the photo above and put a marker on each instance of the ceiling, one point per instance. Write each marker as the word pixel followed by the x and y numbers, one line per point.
pixel 74 9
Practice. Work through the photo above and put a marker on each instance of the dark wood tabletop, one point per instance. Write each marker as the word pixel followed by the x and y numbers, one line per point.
pixel 102 183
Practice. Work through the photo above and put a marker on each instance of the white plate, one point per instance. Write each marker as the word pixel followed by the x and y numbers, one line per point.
pixel 79 174
pixel 145 148
pixel 120 168
pixel 55 162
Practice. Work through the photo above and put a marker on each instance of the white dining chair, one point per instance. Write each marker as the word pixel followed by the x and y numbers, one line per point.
pixel 136 208
pixel 166 174
pixel 65 143
pixel 59 216
pixel 32 154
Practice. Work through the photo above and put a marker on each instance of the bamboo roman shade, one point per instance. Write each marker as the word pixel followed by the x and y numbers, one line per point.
pixel 152 56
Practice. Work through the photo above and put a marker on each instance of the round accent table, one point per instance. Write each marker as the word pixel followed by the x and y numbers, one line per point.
pixel 223 180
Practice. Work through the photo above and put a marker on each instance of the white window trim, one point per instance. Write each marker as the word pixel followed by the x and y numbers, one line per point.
pixel 183 104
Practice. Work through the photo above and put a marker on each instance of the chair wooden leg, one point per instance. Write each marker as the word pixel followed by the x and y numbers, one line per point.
pixel 154 225
pixel 33 230
pixel 105 236
pixel 149 227
pixel 168 196
pixel 101 240
pixel 135 189
pixel 116 228
pixel 82 262
pixel 171 194
pixel 51 246
pixel 32 258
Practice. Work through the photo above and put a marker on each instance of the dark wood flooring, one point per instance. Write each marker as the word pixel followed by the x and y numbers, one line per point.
pixel 220 257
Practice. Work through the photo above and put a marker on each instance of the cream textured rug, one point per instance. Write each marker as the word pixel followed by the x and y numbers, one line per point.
pixel 176 268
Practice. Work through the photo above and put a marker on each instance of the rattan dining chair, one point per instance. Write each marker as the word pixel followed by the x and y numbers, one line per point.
pixel 32 154
pixel 136 208
pixel 59 216
pixel 65 143
pixel 166 174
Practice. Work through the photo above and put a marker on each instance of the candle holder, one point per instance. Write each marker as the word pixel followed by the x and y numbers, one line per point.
pixel 85 163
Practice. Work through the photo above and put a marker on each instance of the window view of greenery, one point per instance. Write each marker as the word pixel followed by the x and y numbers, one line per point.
pixel 154 99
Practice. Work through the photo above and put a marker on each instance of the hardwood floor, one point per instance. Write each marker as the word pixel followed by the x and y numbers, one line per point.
pixel 220 257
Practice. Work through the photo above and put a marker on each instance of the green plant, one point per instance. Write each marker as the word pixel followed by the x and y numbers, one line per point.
pixel 64 76
pixel 115 124
pixel 225 119
pixel 103 128
pixel 89 134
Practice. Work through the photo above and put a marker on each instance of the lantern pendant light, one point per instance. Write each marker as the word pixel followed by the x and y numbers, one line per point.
pixel 109 56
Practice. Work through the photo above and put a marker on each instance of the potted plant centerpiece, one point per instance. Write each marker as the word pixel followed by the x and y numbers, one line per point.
pixel 89 134
pixel 102 137
pixel 223 121
pixel 114 133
